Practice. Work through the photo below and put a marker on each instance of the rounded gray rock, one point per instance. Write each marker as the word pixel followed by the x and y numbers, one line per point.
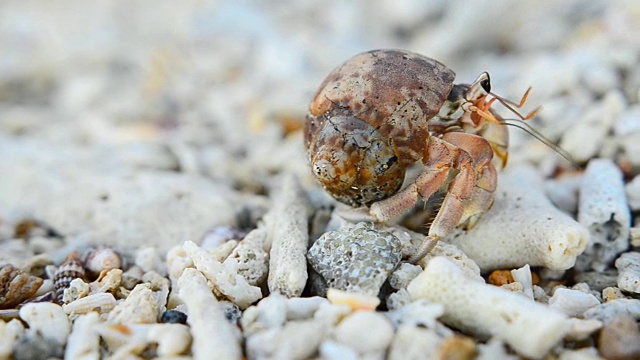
pixel 357 259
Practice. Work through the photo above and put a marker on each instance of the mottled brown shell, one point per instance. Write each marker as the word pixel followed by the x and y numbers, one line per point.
pixel 368 122
pixel 16 286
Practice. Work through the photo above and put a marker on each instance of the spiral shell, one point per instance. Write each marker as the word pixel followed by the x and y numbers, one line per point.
pixel 369 121
pixel 71 268
pixel 16 286
pixel 98 260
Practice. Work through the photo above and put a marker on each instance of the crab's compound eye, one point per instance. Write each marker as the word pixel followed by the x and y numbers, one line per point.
pixel 485 82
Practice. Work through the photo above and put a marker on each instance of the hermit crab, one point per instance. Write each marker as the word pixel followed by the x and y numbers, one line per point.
pixel 384 110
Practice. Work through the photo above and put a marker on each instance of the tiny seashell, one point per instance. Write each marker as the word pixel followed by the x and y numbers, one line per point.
pixel 16 286
pixel 72 268
pixel 97 260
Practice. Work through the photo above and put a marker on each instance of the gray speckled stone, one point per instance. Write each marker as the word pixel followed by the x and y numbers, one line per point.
pixel 357 259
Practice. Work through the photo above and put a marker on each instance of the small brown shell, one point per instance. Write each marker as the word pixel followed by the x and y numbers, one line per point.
pixel 72 268
pixel 16 286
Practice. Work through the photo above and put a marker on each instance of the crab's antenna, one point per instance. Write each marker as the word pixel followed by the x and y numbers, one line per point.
pixel 520 124
pixel 512 106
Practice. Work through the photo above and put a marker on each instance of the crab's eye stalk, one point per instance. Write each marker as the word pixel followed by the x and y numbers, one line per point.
pixel 485 82
pixel 479 89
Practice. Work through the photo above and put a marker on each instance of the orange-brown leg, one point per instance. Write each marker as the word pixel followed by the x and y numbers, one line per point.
pixel 482 153
pixel 469 194
pixel 439 158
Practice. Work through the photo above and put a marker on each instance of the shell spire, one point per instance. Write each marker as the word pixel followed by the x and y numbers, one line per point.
pixel 72 268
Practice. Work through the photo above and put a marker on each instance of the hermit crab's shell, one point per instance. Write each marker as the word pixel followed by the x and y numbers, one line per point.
pixel 368 122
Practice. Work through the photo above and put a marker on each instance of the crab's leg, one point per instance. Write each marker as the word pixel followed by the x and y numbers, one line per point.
pixel 470 193
pixel 481 151
pixel 439 158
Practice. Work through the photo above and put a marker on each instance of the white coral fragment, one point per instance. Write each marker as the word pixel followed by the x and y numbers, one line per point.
pixel 212 333
pixel 253 260
pixel 9 333
pixel 532 329
pixel 140 307
pixel 48 319
pixel 84 341
pixel 523 227
pixel 127 340
pixel 224 276
pixel 102 302
pixel 288 235
pixel 604 211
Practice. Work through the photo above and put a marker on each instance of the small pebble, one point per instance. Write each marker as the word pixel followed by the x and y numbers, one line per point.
pixel 356 332
pixel 494 349
pixel 500 277
pixel 582 329
pixel 419 313
pixel 332 350
pixel 572 302
pixel 590 353
pixel 608 311
pixel 612 293
pixel 620 339
pixel 303 308
pixel 173 317
pixel 231 311
pixel 633 193
pixel 37 347
pixel 457 347
pixel 172 339
pixel 598 280
pixel 412 342
pixel 628 265
pixel 293 340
